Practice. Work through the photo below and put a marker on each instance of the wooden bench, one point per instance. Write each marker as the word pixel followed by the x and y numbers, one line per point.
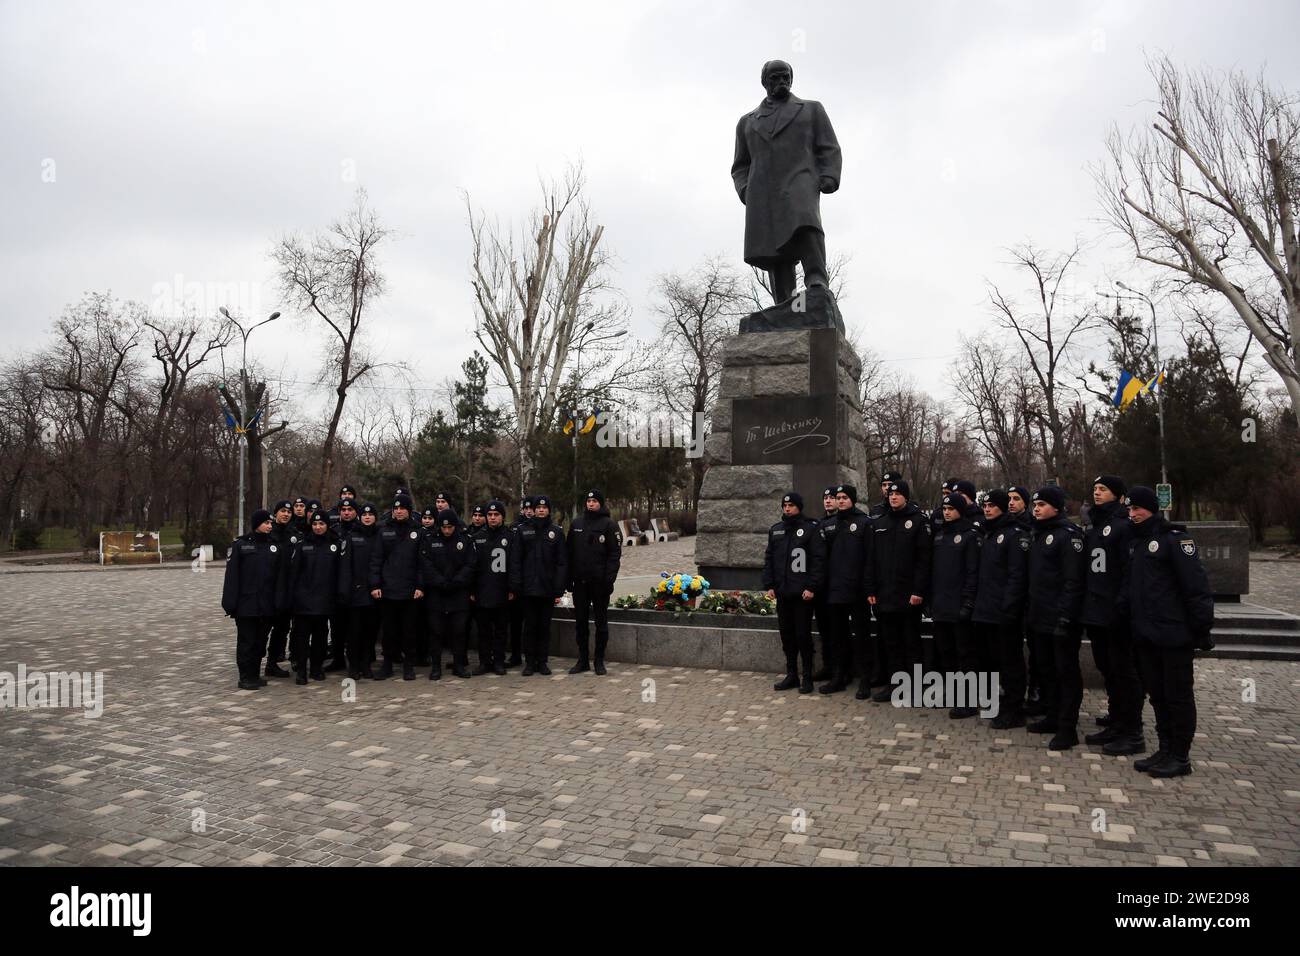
pixel 632 535
pixel 130 547
pixel 660 530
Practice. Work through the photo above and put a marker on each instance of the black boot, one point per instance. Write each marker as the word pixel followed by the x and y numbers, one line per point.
pixel 882 696
pixel 1125 743
pixel 249 683
pixel 528 670
pixel 301 679
pixel 1011 717
pixel 461 671
pixel 274 670
pixel 1064 739
pixel 483 668
pixel 543 669
pixel 499 669
pixel 1105 736
pixel 806 685
pixel 864 689
pixel 961 713
pixel 408 672
pixel 838 682
pixel 790 680
pixel 1146 763
pixel 317 674
pixel 514 661
pixel 338 664
pixel 600 667
pixel 1172 766
pixel 581 667
pixel 1105 720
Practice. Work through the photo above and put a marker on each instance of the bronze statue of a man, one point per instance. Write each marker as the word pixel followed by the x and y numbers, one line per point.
pixel 786 157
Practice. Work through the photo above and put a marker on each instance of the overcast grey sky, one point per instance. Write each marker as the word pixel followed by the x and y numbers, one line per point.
pixel 182 138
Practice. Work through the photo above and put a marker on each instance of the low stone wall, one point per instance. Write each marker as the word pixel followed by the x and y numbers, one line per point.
pixel 730 642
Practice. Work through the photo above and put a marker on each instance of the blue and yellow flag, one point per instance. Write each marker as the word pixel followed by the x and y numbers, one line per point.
pixel 1130 387
pixel 1127 389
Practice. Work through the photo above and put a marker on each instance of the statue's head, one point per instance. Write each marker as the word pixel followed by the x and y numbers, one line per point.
pixel 778 77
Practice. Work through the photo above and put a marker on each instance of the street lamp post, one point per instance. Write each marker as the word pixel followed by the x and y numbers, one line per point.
pixel 241 430
pixel 573 418
pixel 1160 402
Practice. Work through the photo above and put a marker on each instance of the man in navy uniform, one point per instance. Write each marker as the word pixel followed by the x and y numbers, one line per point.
pixel 794 572
pixel 1171 612
pixel 1056 572
pixel 1106 547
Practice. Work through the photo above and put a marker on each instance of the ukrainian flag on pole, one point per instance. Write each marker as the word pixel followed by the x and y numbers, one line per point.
pixel 1130 387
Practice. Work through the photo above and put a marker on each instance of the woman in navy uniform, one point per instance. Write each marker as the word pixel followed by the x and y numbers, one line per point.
pixel 954 577
pixel 317 583
pixel 357 609
pixel 447 568
pixel 253 593
pixel 999 603
pixel 1171 612
pixel 496 587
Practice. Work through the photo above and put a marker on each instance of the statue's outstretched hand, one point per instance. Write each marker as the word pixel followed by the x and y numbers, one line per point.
pixel 827 185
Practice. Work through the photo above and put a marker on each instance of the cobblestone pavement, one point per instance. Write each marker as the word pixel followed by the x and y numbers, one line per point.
pixel 717 769
pixel 1275 583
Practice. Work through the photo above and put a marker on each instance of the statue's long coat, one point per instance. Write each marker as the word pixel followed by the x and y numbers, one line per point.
pixel 781 156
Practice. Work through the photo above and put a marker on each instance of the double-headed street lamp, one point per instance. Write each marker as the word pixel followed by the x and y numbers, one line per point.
pixel 243 409
pixel 1155 345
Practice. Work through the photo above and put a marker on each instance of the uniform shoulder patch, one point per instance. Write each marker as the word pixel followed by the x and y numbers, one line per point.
pixel 1188 547
pixel 1077 543
pixel 1024 544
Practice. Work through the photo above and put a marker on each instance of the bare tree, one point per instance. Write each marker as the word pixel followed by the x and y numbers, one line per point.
pixel 998 395
pixel 697 311
pixel 180 346
pixel 87 368
pixel 538 295
pixel 1048 330
pixel 334 276
pixel 1210 193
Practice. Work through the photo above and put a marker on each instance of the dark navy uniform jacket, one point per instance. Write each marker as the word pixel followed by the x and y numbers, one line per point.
pixel 543 559
pixel 1105 545
pixel 899 563
pixel 1004 557
pixel 595 550
pixel 395 560
pixel 795 559
pixel 447 567
pixel 1056 571
pixel 955 571
pixel 848 540
pixel 1165 591
pixel 497 553
pixel 318 582
pixel 360 541
pixel 256 583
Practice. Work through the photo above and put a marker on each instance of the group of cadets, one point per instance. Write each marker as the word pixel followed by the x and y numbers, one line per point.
pixel 342 585
pixel 993 579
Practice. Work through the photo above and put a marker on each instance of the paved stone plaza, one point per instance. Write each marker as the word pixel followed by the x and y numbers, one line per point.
pixel 575 770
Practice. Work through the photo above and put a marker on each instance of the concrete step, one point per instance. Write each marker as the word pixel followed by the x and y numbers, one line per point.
pixel 1253 652
pixel 1255 635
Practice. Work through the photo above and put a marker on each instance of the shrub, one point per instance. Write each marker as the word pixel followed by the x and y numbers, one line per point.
pixel 27 536
pixel 199 533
